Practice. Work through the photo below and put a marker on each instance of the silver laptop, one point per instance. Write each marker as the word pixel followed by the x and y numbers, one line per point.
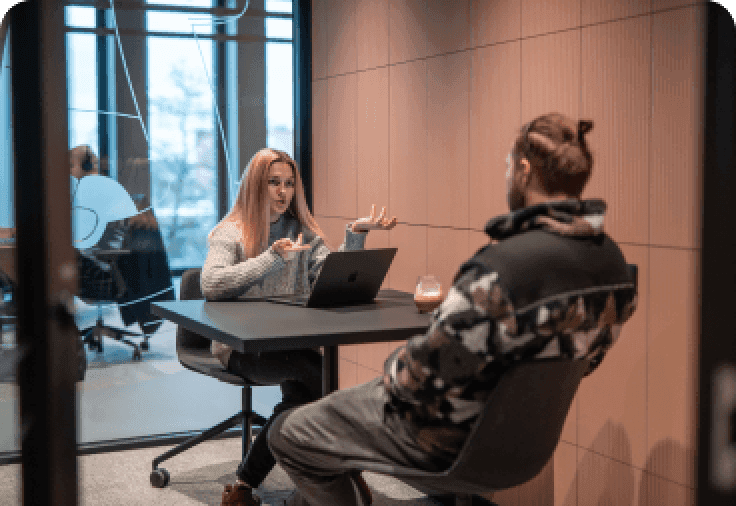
pixel 347 278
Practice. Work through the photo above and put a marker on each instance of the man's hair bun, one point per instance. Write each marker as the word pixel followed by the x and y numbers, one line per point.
pixel 555 146
pixel 584 126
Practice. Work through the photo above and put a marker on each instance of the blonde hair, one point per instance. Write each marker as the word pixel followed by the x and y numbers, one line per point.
pixel 251 210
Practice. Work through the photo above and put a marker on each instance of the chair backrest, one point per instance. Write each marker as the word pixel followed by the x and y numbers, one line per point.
pixel 145 270
pixel 192 349
pixel 520 426
pixel 190 289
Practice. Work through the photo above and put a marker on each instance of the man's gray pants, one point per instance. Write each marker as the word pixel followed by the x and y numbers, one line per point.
pixel 319 444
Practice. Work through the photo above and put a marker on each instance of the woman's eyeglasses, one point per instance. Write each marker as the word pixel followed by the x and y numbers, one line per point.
pixel 288 183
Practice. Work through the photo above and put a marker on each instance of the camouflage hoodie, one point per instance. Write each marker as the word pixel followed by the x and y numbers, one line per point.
pixel 553 285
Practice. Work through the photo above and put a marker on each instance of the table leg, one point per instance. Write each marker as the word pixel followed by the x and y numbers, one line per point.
pixel 329 370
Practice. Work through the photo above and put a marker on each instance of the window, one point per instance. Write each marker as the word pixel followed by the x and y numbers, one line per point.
pixel 280 79
pixel 175 98
pixel 82 79
pixel 182 133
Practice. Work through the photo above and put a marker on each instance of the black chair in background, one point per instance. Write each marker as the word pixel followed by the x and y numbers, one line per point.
pixel 129 269
pixel 193 351
pixel 147 277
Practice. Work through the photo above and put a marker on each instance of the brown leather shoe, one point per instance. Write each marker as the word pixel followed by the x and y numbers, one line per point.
pixel 238 495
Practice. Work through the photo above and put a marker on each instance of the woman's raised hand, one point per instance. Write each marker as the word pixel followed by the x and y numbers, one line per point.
pixel 373 223
pixel 285 246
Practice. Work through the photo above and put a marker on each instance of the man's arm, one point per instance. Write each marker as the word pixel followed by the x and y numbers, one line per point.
pixel 470 329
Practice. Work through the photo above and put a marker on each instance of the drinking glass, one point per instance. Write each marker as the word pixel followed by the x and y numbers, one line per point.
pixel 428 293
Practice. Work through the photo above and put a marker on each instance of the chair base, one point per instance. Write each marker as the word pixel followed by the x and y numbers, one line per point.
pixel 93 338
pixel 160 477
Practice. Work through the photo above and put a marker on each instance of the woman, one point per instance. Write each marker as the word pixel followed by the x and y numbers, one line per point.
pixel 270 244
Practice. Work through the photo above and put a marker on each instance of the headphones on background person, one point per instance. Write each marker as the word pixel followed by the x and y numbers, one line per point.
pixel 87 163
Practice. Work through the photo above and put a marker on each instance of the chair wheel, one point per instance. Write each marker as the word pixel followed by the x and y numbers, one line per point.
pixel 137 354
pixel 160 477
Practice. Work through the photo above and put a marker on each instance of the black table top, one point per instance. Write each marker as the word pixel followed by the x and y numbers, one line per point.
pixel 251 326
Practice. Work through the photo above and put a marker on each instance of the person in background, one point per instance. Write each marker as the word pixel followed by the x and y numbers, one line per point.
pixel 270 244
pixel 84 162
pixel 133 269
pixel 554 285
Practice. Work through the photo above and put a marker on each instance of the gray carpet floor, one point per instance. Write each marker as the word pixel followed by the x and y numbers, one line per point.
pixel 197 477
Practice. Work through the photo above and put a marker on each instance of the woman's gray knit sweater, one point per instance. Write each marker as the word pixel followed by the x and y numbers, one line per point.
pixel 227 272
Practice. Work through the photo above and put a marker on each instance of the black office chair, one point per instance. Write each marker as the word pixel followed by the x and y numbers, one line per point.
pixel 147 277
pixel 130 276
pixel 193 351
pixel 515 436
pixel 513 439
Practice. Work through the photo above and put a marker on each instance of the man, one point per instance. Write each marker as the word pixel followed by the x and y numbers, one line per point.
pixel 554 285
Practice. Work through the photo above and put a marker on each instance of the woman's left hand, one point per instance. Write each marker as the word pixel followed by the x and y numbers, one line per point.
pixel 373 223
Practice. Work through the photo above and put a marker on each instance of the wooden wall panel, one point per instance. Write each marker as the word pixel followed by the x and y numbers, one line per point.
pixel 447 140
pixel 677 136
pixel 371 27
pixel 495 105
pixel 616 96
pixel 408 142
pixel 548 16
pixel 341 52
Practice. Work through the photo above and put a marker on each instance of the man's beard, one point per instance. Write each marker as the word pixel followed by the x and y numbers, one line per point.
pixel 516 198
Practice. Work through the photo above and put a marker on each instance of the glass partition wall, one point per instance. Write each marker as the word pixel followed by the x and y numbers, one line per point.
pixel 175 97
pixel 8 278
pixel 168 99
pixel 167 102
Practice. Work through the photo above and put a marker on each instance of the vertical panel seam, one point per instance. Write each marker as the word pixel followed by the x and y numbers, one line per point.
pixel 649 230
pixel 471 54
pixel 426 147
pixel 356 116
pixel 352 6
pixel 325 180
pixel 580 114
pixel 388 119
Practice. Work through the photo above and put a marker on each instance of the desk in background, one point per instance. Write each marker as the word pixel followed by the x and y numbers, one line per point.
pixel 251 326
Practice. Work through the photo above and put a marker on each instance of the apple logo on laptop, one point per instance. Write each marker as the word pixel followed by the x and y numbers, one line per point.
pixel 353 277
